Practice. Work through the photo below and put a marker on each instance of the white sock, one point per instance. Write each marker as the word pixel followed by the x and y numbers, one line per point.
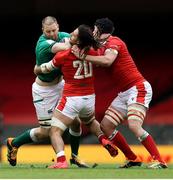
pixel 32 135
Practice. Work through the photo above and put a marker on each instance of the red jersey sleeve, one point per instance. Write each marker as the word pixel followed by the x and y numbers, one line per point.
pixel 60 57
pixel 113 43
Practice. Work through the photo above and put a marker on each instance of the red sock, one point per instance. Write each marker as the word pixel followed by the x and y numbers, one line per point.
pixel 61 158
pixel 101 137
pixel 150 145
pixel 121 143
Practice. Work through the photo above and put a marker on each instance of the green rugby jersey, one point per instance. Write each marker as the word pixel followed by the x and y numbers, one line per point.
pixel 44 54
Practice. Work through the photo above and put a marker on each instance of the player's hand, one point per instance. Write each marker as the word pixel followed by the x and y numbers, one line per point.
pixel 76 51
pixel 67 43
pixel 37 70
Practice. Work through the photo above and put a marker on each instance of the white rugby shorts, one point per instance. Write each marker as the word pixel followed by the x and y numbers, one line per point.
pixel 73 106
pixel 140 94
pixel 45 99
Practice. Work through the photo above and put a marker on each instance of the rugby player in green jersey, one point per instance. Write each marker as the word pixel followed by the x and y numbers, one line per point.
pixel 46 91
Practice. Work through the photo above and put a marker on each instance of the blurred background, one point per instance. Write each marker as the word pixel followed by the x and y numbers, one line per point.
pixel 145 26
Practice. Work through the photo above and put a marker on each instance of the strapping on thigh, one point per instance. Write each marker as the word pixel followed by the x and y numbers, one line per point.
pixel 136 113
pixel 114 116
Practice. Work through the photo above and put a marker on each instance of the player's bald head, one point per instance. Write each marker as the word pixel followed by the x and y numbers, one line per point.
pixel 50 27
pixel 48 20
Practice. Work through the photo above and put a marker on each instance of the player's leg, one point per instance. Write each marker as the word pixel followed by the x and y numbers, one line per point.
pixel 75 132
pixel 94 127
pixel 60 123
pixel 140 97
pixel 44 99
pixel 114 116
pixel 30 136
pixel 87 116
pixel 64 115
pixel 136 114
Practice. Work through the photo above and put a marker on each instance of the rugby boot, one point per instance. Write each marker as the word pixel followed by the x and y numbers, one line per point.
pixel 59 165
pixel 132 163
pixel 157 165
pixel 111 148
pixel 11 152
pixel 76 161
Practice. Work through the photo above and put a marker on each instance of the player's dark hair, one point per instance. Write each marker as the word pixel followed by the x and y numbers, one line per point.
pixel 85 38
pixel 104 25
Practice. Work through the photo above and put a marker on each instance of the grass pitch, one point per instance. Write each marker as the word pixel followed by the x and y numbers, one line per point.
pixel 102 171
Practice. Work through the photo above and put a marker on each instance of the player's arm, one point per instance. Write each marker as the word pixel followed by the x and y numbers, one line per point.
pixel 55 63
pixel 44 68
pixel 60 46
pixel 106 60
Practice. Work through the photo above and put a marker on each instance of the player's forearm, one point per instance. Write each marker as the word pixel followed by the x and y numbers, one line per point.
pixel 61 46
pixel 105 60
pixel 99 60
pixel 44 68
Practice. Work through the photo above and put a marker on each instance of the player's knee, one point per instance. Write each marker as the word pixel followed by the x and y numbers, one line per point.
pixel 135 127
pixel 111 119
pixel 103 125
pixel 75 133
pixel 44 133
pixel 42 137
pixel 55 132
pixel 76 125
pixel 39 134
pixel 75 128
pixel 106 126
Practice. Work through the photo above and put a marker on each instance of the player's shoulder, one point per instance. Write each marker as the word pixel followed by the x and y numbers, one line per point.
pixel 62 35
pixel 64 53
pixel 42 38
pixel 45 41
pixel 115 41
pixel 115 38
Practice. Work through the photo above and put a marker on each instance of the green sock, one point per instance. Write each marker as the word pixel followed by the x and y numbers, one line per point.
pixel 74 143
pixel 24 138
